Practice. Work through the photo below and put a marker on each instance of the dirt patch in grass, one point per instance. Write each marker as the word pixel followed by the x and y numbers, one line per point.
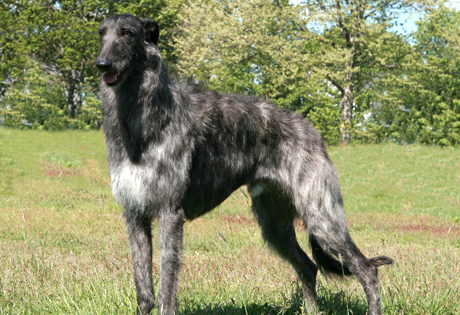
pixel 238 219
pixel 419 224
pixel 50 169
pixel 454 201
pixel 423 227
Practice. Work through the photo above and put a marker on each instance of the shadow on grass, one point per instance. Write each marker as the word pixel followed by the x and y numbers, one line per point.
pixel 251 309
pixel 337 303
pixel 329 303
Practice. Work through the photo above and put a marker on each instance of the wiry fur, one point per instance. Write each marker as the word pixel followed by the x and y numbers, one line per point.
pixel 175 152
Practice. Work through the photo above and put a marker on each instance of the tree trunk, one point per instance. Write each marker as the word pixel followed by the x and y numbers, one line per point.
pixel 73 100
pixel 71 106
pixel 72 87
pixel 346 113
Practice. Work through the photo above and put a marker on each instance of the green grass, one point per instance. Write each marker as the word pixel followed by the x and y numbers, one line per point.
pixel 63 248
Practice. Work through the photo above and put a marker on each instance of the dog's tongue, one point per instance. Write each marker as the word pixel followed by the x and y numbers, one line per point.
pixel 109 77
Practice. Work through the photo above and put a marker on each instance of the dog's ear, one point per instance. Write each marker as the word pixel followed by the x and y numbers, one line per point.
pixel 151 31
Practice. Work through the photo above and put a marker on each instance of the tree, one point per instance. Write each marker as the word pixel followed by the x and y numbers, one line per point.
pixel 240 46
pixel 300 56
pixel 34 100
pixel 423 103
pixel 256 47
pixel 356 45
pixel 62 36
pixel 10 61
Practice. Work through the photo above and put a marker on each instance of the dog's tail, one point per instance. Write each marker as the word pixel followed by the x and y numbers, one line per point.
pixel 328 265
pixel 326 225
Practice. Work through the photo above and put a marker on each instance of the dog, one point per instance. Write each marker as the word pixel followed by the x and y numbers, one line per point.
pixel 176 151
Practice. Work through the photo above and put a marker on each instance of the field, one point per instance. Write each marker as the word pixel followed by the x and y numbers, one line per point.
pixel 63 248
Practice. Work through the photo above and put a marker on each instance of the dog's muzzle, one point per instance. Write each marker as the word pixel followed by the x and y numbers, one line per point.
pixel 109 76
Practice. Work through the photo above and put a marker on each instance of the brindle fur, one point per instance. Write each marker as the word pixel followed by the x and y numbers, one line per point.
pixel 176 151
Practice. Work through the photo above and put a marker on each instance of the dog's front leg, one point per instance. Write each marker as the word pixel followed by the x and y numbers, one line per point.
pixel 140 239
pixel 171 226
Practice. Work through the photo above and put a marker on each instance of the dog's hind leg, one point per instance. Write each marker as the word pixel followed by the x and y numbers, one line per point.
pixel 140 239
pixel 275 215
pixel 171 233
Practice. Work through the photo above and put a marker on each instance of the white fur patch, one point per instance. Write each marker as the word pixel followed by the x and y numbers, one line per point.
pixel 130 185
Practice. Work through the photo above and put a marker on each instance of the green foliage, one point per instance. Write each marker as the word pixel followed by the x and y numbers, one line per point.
pixel 322 110
pixel 62 37
pixel 330 65
pixel 356 44
pixel 9 59
pixel 34 99
pixel 326 122
pixel 90 115
pixel 337 63
pixel 421 102
pixel 37 100
pixel 254 47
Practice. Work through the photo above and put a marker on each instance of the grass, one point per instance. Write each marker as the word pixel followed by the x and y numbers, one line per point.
pixel 63 248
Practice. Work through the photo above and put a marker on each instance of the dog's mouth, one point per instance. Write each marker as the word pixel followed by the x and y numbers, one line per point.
pixel 113 78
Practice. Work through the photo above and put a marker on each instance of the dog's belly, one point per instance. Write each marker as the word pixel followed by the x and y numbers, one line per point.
pixel 201 199
pixel 219 166
pixel 210 185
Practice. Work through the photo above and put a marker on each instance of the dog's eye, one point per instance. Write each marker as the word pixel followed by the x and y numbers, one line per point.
pixel 125 32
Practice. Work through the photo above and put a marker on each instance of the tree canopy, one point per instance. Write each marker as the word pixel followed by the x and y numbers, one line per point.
pixel 338 63
pixel 62 37
pixel 421 102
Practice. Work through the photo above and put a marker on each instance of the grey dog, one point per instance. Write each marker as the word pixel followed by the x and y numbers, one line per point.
pixel 176 151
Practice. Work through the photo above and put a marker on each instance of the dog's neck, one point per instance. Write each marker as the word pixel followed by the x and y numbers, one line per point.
pixel 139 110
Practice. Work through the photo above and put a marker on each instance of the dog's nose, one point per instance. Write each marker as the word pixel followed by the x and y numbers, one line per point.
pixel 103 64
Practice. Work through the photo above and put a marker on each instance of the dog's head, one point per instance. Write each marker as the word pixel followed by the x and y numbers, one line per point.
pixel 124 39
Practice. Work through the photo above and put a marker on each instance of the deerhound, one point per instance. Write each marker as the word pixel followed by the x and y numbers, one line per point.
pixel 176 151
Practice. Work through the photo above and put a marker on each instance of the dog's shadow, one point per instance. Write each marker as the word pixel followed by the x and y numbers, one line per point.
pixel 331 303
pixel 256 309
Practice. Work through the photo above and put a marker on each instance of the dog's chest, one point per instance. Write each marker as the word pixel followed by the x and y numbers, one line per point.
pixel 132 185
pixel 155 181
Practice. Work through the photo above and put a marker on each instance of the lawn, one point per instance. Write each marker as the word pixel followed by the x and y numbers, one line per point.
pixel 63 248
